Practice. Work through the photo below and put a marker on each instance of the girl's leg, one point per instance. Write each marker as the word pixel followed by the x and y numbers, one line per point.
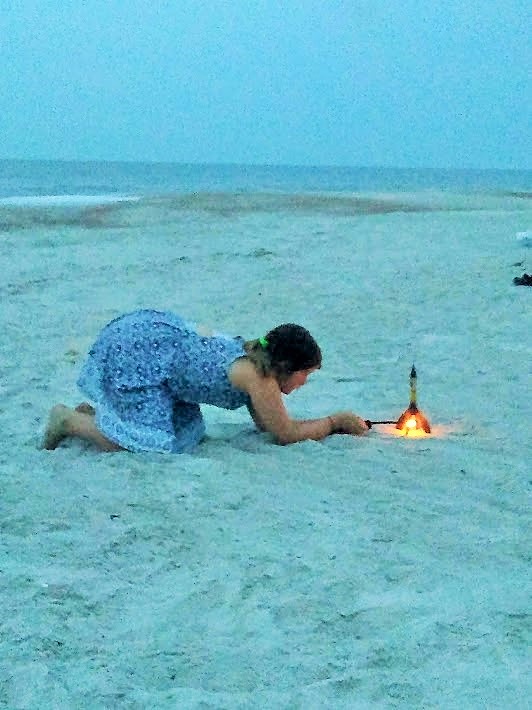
pixel 63 422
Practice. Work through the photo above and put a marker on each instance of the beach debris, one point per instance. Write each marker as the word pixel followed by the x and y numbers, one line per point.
pixel 72 356
pixel 412 420
pixel 524 280
pixel 257 253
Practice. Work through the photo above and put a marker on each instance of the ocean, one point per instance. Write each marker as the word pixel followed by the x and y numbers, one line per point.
pixel 99 194
pixel 24 182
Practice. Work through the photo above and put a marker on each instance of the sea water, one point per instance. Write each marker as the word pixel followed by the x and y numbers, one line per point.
pixel 87 193
pixel 91 181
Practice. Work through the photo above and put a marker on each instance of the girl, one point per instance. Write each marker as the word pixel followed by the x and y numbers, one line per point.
pixel 149 371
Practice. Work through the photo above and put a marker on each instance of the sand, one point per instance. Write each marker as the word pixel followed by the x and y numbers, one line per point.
pixel 374 572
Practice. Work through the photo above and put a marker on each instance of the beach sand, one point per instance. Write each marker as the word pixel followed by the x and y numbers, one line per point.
pixel 373 572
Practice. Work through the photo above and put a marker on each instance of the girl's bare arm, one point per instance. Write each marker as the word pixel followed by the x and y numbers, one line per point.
pixel 268 411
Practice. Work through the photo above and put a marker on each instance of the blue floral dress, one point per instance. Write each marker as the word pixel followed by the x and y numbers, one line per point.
pixel 147 374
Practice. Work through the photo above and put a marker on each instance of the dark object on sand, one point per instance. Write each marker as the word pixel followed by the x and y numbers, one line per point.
pixel 524 280
pixel 369 423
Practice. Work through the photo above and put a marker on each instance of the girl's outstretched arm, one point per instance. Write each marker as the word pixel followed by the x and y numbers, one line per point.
pixel 270 414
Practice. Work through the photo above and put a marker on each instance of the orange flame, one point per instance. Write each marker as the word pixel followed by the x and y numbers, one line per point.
pixel 412 422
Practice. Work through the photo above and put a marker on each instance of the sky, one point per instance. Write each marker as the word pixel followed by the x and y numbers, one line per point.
pixel 410 83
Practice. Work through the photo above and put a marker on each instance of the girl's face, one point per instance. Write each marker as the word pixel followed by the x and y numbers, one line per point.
pixel 295 380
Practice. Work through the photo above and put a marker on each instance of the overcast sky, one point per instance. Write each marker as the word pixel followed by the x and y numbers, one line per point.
pixel 426 83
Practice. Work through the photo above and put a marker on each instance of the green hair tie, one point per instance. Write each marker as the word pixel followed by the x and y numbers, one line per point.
pixel 263 342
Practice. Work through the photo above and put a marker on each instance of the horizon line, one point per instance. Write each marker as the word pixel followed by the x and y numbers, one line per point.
pixel 342 166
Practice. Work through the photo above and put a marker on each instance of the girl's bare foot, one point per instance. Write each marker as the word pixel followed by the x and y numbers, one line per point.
pixel 63 422
pixel 86 408
pixel 56 428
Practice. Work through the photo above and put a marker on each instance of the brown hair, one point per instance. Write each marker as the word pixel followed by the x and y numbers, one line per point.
pixel 289 348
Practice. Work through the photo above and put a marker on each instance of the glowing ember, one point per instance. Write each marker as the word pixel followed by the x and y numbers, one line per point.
pixel 411 423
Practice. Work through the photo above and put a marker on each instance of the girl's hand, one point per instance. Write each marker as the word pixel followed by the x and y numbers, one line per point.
pixel 349 423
